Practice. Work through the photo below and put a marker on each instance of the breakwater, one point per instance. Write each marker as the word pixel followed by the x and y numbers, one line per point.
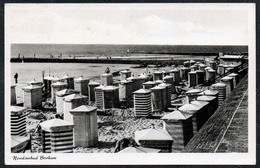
pixel 108 61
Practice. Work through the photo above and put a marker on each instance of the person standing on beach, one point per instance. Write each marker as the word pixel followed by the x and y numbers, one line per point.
pixel 16 77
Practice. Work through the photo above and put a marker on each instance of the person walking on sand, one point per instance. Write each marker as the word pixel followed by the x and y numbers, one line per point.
pixel 16 77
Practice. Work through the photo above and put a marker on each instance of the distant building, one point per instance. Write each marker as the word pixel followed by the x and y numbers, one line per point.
pixel 231 59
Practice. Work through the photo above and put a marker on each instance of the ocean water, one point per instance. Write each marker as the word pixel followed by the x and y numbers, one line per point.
pixel 94 50
pixel 30 71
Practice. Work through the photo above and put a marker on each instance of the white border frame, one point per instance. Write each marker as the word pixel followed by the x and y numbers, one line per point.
pixel 150 159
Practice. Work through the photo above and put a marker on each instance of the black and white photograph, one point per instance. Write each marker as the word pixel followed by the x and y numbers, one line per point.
pixel 130 84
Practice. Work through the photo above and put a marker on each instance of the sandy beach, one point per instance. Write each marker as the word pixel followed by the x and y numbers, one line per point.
pixel 122 124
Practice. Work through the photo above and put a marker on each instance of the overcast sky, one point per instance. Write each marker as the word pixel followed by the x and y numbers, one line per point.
pixel 127 24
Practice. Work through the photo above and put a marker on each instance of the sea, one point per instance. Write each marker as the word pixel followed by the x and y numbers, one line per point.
pixel 90 50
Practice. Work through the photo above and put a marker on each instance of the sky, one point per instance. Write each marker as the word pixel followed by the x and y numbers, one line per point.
pixel 171 24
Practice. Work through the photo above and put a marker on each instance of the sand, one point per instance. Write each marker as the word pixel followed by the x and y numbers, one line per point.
pixel 122 124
